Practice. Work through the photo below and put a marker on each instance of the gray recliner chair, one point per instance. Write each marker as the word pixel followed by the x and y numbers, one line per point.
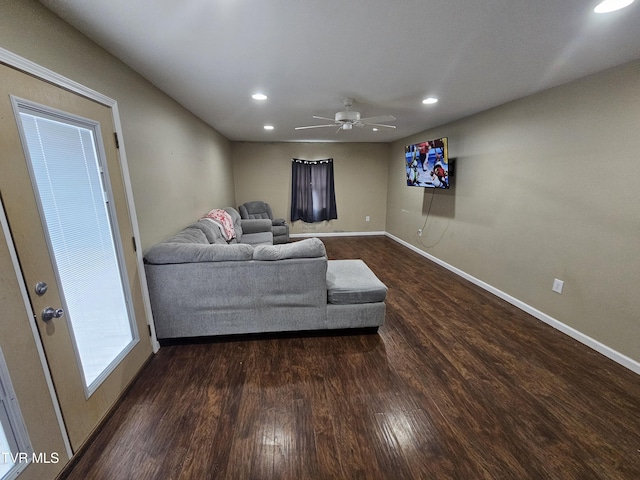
pixel 258 209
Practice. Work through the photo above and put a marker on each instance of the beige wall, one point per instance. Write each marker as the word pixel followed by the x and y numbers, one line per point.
pixel 545 187
pixel 179 166
pixel 262 171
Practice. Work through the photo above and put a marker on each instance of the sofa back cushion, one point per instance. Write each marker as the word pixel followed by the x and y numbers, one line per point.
pixel 172 253
pixel 211 229
pixel 189 235
pixel 308 248
pixel 237 226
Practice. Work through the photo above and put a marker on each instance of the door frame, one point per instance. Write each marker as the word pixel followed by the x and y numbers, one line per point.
pixel 21 64
pixel 27 66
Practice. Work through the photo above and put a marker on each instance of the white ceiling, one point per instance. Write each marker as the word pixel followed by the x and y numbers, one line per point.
pixel 307 56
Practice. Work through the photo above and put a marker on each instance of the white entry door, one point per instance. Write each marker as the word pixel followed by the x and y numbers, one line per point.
pixel 62 188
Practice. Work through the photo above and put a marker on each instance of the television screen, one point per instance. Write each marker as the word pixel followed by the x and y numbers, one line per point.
pixel 427 164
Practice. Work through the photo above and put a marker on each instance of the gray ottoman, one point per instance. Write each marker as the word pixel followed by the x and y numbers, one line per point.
pixel 355 295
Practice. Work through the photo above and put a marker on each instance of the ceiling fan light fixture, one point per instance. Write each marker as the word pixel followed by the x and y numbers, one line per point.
pixel 612 5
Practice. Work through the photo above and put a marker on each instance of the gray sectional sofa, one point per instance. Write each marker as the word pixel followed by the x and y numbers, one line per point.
pixel 203 285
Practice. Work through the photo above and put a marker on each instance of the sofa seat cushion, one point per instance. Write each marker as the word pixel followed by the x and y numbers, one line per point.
pixel 353 282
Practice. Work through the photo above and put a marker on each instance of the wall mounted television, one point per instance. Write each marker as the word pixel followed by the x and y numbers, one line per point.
pixel 427 164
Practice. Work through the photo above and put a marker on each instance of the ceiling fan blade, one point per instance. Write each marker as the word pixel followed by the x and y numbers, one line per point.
pixel 378 119
pixel 380 125
pixel 313 126
pixel 324 118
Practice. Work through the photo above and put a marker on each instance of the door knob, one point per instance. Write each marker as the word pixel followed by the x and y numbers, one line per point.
pixel 50 313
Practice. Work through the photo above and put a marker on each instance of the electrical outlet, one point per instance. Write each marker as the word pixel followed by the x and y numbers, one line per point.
pixel 420 232
pixel 367 218
pixel 558 285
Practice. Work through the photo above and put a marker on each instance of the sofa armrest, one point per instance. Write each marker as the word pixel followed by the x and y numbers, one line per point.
pixel 171 253
pixel 257 225
pixel 278 221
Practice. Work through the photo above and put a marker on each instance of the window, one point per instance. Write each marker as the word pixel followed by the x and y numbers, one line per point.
pixel 15 447
pixel 313 196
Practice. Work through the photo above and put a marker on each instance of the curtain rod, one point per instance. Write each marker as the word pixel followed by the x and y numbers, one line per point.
pixel 311 162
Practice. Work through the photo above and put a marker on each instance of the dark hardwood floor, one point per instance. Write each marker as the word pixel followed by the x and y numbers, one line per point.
pixel 457 384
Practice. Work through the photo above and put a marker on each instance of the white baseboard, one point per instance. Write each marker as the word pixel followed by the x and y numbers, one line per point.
pixel 337 234
pixel 617 357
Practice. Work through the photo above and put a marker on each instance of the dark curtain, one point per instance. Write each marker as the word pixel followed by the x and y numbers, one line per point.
pixel 313 195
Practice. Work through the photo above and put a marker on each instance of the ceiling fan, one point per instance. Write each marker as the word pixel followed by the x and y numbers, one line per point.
pixel 347 119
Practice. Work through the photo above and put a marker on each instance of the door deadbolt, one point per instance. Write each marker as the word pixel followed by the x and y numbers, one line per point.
pixel 41 288
pixel 50 313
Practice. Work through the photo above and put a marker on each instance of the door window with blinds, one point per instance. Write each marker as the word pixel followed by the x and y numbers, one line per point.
pixel 65 158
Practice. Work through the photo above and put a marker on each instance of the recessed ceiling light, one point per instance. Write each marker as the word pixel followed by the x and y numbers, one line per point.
pixel 374 129
pixel 430 101
pixel 269 127
pixel 612 5
pixel 259 96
